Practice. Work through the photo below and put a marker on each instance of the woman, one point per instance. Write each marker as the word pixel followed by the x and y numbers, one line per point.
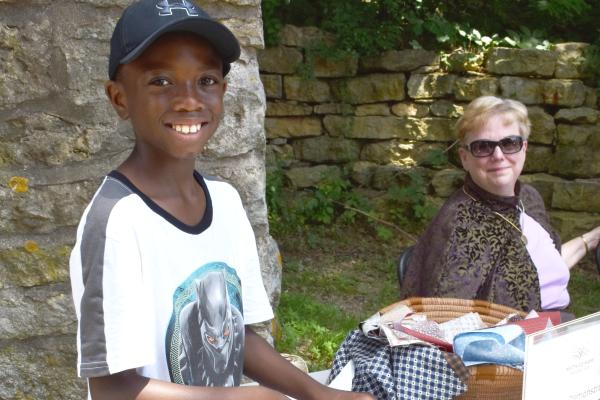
pixel 492 239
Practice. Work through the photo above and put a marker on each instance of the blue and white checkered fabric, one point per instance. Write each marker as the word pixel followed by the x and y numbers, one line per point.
pixel 405 372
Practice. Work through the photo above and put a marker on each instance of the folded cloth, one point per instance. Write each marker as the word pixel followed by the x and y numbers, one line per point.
pixel 504 345
pixel 468 322
pixel 401 326
pixel 413 372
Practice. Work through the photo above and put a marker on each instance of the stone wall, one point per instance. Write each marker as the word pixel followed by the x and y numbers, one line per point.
pixel 58 138
pixel 373 119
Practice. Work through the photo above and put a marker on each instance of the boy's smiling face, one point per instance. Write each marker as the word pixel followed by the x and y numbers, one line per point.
pixel 173 95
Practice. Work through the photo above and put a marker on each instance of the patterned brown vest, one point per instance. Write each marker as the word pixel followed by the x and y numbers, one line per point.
pixel 469 251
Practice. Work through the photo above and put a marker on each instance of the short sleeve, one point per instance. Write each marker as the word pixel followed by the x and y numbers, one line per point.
pixel 111 300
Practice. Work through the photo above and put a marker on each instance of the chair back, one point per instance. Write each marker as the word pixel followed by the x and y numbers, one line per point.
pixel 598 258
pixel 403 263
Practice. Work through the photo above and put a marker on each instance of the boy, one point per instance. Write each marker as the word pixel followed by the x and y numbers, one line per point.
pixel 165 272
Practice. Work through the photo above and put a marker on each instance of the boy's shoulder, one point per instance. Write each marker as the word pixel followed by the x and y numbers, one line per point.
pixel 109 193
pixel 113 201
pixel 218 186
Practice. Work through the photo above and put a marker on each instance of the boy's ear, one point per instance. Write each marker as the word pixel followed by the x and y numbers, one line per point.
pixel 116 95
pixel 224 87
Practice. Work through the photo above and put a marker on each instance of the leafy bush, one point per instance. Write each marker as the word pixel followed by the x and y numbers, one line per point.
pixel 328 196
pixel 336 201
pixel 372 26
pixel 409 205
pixel 592 66
pixel 274 187
pixel 332 200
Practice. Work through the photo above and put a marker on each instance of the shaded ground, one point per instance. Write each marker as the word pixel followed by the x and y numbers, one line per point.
pixel 344 266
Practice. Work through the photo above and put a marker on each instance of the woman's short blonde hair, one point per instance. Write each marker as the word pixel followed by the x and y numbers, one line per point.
pixel 480 110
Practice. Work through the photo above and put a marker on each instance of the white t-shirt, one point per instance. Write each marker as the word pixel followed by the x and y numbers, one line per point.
pixel 166 298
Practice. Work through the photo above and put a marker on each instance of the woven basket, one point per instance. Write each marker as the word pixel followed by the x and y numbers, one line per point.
pixel 488 382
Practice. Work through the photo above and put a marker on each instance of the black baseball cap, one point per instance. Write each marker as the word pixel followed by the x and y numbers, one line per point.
pixel 146 20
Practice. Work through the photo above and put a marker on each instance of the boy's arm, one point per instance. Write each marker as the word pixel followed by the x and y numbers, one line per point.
pixel 263 364
pixel 128 385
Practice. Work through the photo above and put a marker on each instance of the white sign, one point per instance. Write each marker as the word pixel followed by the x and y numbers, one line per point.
pixel 563 362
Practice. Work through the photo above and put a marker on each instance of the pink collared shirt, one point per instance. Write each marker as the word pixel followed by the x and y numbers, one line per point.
pixel 553 272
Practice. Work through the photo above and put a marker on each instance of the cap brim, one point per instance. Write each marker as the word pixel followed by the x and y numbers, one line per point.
pixel 221 38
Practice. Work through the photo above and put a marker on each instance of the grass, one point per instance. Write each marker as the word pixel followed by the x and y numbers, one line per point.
pixel 336 276
pixel 312 329
pixel 584 288
pixel 331 282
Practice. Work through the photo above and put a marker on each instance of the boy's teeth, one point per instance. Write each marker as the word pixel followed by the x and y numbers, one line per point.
pixel 187 128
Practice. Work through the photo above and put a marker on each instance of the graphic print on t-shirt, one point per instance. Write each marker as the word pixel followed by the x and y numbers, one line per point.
pixel 205 338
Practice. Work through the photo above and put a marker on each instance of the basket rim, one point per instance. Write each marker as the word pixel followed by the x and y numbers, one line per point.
pixel 451 304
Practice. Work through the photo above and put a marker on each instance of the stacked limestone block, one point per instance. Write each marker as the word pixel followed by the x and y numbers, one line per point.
pixel 378 117
pixel 58 138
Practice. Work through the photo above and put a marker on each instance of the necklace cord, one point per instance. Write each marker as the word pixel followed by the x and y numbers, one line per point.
pixel 522 209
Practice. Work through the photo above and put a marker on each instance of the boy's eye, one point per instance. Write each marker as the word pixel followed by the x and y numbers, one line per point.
pixel 159 82
pixel 208 81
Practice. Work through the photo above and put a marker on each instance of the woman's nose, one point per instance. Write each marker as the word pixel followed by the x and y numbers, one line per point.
pixel 497 154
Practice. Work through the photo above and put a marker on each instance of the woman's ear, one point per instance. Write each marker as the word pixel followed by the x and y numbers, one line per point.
pixel 116 95
pixel 463 154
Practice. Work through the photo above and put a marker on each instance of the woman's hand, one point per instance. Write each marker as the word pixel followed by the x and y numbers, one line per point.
pixel 592 238
pixel 575 249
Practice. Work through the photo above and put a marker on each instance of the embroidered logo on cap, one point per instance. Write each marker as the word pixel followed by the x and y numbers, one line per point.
pixel 166 7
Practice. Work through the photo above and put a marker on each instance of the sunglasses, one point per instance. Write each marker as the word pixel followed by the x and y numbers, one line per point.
pixel 485 148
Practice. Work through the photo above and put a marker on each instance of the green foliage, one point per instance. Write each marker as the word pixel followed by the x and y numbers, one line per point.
pixel 275 202
pixel 562 10
pixel 311 328
pixel 471 48
pixel 591 66
pixel 370 27
pixel 364 27
pixel 527 39
pixel 273 19
pixel 322 206
pixel 409 204
pixel 335 200
pixel 435 158
pixel 555 20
